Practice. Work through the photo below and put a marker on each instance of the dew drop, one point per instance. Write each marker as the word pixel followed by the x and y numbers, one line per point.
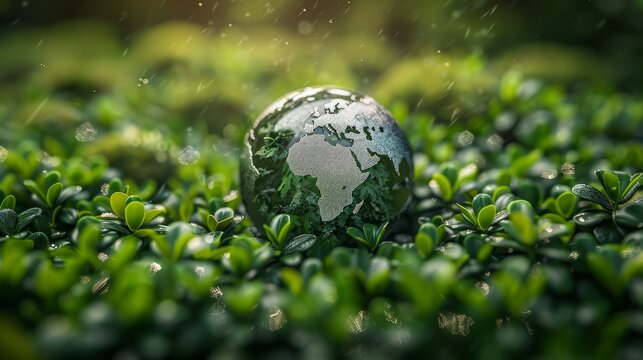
pixel 549 174
pixel 189 156
pixel 155 267
pixel 568 168
pixel 465 138
pixel 86 132
pixel 495 142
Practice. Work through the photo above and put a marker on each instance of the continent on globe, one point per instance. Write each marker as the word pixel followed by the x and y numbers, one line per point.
pixel 331 157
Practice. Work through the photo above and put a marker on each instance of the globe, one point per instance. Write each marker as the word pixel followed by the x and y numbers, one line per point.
pixel 330 158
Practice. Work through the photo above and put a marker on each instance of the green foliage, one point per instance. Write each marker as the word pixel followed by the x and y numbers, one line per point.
pixel 116 247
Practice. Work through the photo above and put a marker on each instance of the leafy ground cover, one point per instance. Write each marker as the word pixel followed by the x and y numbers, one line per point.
pixel 123 233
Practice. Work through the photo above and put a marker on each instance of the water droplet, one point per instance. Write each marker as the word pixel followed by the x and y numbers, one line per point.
pixel 199 271
pixel 86 132
pixel 305 27
pixel 189 156
pixel 465 138
pixel 45 158
pixel 3 154
pixel 276 319
pixel 549 174
pixel 155 267
pixel 568 168
pixel 483 287
pixel 495 142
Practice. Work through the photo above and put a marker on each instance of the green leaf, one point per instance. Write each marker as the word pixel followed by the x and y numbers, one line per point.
pixel 237 259
pixel 40 240
pixel 358 235
pixel 379 275
pixel 8 221
pixel 566 204
pixel 53 192
pixel 151 214
pixel 26 217
pixel 522 228
pixel 480 201
pixel 117 202
pixel 302 242
pixel 51 178
pixel 468 215
pixel 444 186
pixel 242 300
pixel 221 219
pixel 178 235
pixel 630 191
pixel 292 280
pixel 486 216
pixel 8 203
pixel 33 187
pixel 134 215
pixel 521 206
pixel 610 183
pixel 587 218
pixel 631 215
pixel 272 237
pixel 133 198
pixel 280 226
pixel 427 238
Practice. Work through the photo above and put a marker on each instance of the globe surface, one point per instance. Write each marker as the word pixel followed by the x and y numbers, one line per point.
pixel 330 157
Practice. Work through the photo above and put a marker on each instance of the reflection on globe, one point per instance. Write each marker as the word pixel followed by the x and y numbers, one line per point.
pixel 330 157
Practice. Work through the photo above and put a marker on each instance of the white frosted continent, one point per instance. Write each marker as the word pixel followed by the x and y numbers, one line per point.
pixel 387 142
pixel 335 169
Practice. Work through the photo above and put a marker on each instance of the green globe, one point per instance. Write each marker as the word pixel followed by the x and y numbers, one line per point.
pixel 330 157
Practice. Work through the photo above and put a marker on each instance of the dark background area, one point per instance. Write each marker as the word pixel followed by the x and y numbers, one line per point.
pixel 609 29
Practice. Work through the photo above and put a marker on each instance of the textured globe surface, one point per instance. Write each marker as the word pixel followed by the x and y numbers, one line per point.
pixel 330 157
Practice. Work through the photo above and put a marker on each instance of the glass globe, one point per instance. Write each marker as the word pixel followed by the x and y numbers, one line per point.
pixel 330 158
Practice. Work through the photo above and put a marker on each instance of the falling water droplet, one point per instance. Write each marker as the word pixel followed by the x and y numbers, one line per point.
pixel 86 132
pixel 189 156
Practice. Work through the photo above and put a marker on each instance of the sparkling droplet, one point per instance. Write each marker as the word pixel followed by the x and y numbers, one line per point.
pixel 465 138
pixel 86 132
pixel 3 154
pixel 189 156
pixel 568 168
pixel 483 287
pixel 549 174
pixel 155 267
pixel 495 142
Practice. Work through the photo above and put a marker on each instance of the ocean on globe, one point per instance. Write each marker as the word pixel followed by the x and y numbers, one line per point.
pixel 330 158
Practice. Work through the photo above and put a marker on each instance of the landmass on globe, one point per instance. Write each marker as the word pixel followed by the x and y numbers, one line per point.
pixel 328 156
